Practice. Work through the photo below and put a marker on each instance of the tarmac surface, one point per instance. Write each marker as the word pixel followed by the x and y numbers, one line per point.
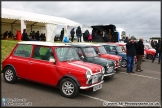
pixel 122 89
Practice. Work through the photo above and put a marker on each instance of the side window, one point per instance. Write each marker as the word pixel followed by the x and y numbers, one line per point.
pixel 113 49
pixel 108 49
pixel 80 52
pixel 95 49
pixel 42 53
pixel 23 50
pixel 77 50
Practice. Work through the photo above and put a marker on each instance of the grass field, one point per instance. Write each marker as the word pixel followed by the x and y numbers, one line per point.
pixel 6 48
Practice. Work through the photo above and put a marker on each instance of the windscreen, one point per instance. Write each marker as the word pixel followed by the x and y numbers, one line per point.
pixel 89 52
pixel 66 54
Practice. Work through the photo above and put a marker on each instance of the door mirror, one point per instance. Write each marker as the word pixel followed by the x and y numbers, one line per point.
pixel 52 60
pixel 82 57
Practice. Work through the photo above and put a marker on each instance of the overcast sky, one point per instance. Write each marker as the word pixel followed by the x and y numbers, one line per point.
pixel 141 19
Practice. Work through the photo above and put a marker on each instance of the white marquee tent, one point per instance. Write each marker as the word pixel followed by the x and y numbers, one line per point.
pixel 29 20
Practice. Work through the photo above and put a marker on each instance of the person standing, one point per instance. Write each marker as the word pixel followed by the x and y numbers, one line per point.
pixel 126 40
pixel 139 53
pixel 90 38
pixel 62 34
pixel 72 32
pixel 25 36
pixel 79 33
pixel 37 36
pixel 152 43
pixel 131 52
pixel 86 35
pixel 158 51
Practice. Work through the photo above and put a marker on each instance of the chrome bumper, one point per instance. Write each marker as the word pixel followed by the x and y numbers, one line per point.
pixel 109 74
pixel 86 87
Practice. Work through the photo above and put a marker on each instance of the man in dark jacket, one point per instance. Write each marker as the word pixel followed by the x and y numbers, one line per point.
pixel 139 53
pixel 72 32
pixel 131 52
pixel 86 33
pixel 158 51
pixel 62 34
pixel 79 33
pixel 37 36
pixel 25 36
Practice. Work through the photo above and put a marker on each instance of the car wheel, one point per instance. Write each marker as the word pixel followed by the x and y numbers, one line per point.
pixel 68 88
pixel 149 56
pixel 124 63
pixel 9 75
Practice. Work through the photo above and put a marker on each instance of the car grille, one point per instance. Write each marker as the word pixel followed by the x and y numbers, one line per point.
pixel 110 69
pixel 95 78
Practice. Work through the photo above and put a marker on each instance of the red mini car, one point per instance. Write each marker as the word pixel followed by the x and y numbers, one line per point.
pixel 52 64
pixel 100 50
pixel 150 52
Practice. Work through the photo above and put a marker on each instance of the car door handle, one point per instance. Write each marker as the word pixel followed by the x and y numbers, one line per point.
pixel 30 62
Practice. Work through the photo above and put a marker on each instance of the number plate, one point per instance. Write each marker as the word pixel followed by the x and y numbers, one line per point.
pixel 97 87
pixel 95 79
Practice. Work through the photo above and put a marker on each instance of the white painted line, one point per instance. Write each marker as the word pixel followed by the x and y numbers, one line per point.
pixel 93 97
pixel 141 75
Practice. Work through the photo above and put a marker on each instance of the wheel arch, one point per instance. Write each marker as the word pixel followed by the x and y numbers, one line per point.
pixel 71 77
pixel 9 65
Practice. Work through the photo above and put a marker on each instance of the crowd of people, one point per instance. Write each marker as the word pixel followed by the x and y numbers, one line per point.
pixel 8 35
pixel 137 49
pixel 33 36
pixel 103 35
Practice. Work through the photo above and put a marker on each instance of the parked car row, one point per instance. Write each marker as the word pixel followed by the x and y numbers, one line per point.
pixel 69 67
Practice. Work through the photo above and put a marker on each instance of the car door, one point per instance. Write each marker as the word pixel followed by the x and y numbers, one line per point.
pixel 41 69
pixel 20 59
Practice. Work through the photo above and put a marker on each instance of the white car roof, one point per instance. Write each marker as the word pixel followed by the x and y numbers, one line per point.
pixel 42 43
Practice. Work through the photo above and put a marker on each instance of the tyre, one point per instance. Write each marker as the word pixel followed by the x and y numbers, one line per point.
pixel 149 56
pixel 124 63
pixel 68 88
pixel 9 75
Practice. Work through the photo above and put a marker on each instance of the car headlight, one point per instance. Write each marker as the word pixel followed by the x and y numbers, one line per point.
pixel 88 74
pixel 115 63
pixel 103 70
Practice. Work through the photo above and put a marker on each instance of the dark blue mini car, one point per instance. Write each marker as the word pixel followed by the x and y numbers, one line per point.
pixel 116 50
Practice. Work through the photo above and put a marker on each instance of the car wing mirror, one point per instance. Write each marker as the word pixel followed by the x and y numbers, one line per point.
pixel 51 59
pixel 82 57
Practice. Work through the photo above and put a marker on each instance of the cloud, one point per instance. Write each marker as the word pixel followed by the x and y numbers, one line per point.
pixel 141 19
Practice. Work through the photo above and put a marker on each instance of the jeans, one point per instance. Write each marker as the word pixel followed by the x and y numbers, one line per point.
pixel 130 63
pixel 79 37
pixel 159 58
